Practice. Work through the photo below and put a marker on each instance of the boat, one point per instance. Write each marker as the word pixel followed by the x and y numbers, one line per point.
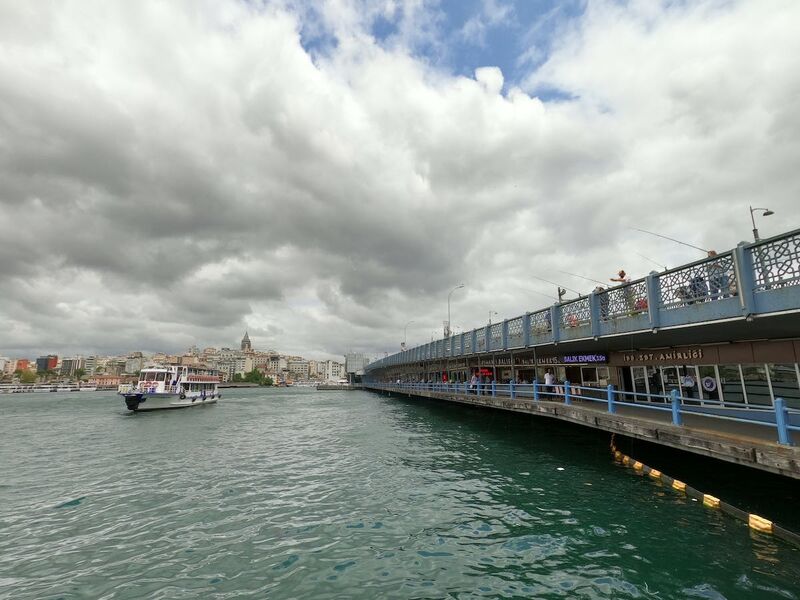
pixel 87 388
pixel 173 386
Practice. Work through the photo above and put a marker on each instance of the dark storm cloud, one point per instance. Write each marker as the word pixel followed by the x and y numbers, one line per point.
pixel 175 174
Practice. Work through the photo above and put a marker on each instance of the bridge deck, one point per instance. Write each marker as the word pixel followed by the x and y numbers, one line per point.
pixel 746 444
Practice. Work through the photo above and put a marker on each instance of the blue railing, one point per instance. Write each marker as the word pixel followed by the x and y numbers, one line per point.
pixel 752 279
pixel 783 419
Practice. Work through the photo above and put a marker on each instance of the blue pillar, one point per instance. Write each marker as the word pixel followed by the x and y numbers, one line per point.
pixel 781 422
pixel 535 390
pixel 494 388
pixel 474 334
pixel 511 389
pixel 676 408
pixel 745 281
pixel 505 335
pixel 567 399
pixel 594 314
pixel 555 323
pixel 487 332
pixel 461 343
pixel 653 299
pixel 611 408
pixel 526 330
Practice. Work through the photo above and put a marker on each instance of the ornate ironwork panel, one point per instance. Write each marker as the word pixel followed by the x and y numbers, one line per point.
pixel 576 313
pixel 540 322
pixel 705 281
pixel 777 263
pixel 623 301
pixel 481 340
pixel 496 336
pixel 515 333
pixel 468 343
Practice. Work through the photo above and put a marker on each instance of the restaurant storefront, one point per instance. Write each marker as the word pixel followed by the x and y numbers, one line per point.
pixel 752 374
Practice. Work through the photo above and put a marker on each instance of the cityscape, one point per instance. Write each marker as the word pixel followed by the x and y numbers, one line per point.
pixel 233 365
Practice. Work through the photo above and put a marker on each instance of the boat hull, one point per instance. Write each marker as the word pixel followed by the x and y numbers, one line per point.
pixel 150 402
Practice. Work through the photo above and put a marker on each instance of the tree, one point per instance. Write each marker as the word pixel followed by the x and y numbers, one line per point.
pixel 268 381
pixel 27 377
pixel 237 377
pixel 80 373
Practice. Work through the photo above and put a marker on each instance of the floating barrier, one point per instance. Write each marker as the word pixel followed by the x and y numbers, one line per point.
pixel 754 522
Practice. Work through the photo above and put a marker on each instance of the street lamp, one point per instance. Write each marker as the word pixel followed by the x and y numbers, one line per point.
pixel 767 212
pixel 491 312
pixel 405 329
pixel 447 329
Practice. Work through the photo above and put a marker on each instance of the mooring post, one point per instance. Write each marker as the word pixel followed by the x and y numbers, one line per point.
pixel 611 408
pixel 781 422
pixel 566 393
pixel 676 408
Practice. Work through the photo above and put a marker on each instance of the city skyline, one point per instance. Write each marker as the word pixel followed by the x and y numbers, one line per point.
pixel 322 175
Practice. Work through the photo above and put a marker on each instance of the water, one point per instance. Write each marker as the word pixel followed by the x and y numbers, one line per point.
pixel 303 494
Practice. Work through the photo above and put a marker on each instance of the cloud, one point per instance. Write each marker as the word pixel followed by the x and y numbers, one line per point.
pixel 172 174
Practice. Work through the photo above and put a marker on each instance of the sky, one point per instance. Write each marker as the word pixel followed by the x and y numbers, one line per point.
pixel 322 173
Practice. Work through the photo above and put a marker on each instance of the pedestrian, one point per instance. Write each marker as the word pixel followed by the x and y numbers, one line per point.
pixel 621 277
pixel 549 381
pixel 473 383
pixel 718 279
pixel 602 300
pixel 698 290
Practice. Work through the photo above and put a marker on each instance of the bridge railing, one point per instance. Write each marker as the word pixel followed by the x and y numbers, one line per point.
pixel 783 419
pixel 751 279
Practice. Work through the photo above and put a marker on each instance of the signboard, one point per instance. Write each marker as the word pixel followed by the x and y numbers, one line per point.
pixel 665 357
pixel 564 359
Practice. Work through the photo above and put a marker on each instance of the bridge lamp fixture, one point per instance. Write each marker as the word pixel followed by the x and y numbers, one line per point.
pixel 765 213
pixel 491 312
pixel 447 328
pixel 405 330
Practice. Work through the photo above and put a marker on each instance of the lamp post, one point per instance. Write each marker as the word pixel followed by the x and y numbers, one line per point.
pixel 405 329
pixel 491 312
pixel 447 329
pixel 766 213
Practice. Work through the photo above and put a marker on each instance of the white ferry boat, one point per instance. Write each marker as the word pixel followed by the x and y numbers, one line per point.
pixel 174 386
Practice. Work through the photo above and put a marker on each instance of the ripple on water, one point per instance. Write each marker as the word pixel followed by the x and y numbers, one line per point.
pixel 293 493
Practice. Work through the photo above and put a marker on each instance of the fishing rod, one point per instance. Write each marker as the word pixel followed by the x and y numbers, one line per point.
pixel 582 277
pixel 540 293
pixel 652 261
pixel 556 284
pixel 671 239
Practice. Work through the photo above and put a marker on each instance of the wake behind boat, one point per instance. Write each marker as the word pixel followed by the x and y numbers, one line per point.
pixel 174 386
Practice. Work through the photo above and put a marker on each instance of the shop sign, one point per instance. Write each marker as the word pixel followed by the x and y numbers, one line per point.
pixel 571 359
pixel 669 357
pixel 709 384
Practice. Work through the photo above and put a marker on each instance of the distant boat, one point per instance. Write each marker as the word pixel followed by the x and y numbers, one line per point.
pixel 174 386
pixel 88 388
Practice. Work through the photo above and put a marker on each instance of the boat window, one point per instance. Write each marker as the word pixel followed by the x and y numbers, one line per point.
pixel 784 384
pixel 150 376
pixel 160 376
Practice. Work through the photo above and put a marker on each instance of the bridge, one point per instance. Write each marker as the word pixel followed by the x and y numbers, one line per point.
pixel 702 357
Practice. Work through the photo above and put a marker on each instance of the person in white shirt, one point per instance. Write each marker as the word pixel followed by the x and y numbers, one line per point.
pixel 549 381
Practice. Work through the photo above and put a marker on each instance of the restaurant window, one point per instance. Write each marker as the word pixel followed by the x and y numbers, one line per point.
pixel 730 379
pixel 783 379
pixel 655 385
pixel 756 386
pixel 639 377
pixel 708 385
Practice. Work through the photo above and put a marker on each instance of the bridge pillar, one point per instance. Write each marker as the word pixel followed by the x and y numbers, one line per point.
pixel 745 282
pixel 653 299
pixel 487 332
pixel 505 334
pixel 594 314
pixel 555 322
pixel 526 330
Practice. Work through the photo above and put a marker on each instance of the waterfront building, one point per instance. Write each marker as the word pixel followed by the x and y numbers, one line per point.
pixel 134 362
pixel 5 362
pixel 46 363
pixel 298 368
pixel 354 364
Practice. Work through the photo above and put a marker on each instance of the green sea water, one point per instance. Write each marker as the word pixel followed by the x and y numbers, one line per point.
pixel 284 493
